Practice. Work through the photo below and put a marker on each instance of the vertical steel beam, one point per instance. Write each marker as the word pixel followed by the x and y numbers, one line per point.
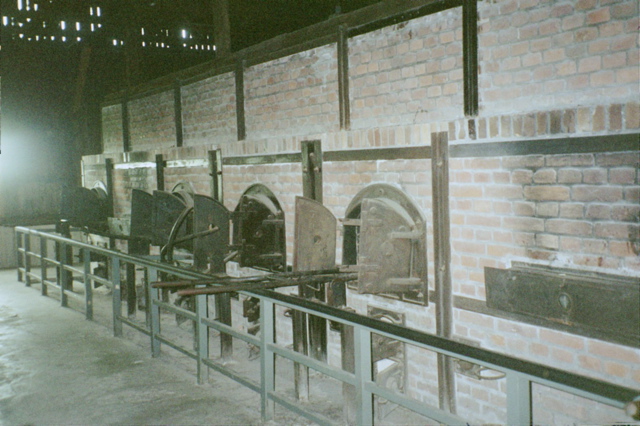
pixel 364 375
pixel 518 399
pixel 160 164
pixel 215 171
pixel 267 358
pixel 221 27
pixel 442 263
pixel 202 336
pixel 240 117
pixel 154 311
pixel 88 284
pixel 177 110
pixel 126 134
pixel 27 260
pixel 312 170
pixel 223 314
pixel 116 293
pixel 470 56
pixel 343 78
pixel 44 253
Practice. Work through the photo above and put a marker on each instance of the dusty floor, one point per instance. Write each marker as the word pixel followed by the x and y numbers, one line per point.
pixel 58 368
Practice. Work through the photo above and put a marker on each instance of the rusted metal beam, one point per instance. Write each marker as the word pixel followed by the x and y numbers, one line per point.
pixel 442 264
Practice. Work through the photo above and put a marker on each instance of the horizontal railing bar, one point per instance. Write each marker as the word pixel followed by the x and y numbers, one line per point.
pixel 101 280
pixel 177 347
pixel 134 325
pixel 419 407
pixel 336 373
pixel 296 408
pixel 51 284
pixel 75 296
pixel 72 269
pixel 34 276
pixel 220 368
pixel 176 310
pixel 223 328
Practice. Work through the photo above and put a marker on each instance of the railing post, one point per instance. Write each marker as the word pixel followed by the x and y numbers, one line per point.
pixel 364 375
pixel 64 274
pixel 88 287
pixel 19 258
pixel 154 312
pixel 117 302
pixel 27 260
pixel 202 334
pixel 44 254
pixel 518 399
pixel 267 358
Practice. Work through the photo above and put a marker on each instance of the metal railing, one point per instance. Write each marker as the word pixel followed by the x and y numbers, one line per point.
pixel 520 375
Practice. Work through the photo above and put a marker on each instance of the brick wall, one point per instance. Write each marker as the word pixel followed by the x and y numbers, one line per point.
pixel 407 73
pixel 112 128
pixel 293 95
pixel 540 54
pixel 209 111
pixel 152 122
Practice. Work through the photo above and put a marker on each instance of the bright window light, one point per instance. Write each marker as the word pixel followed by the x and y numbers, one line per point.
pixel 98 11
pixel 78 26
pixel 5 20
pixel 184 33
pixel 20 6
pixel 115 42
pixel 63 25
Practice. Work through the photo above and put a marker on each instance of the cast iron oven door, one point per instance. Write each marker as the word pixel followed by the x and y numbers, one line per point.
pixel 210 249
pixel 388 259
pixel 141 215
pixel 384 239
pixel 258 230
pixel 167 210
pixel 315 236
pixel 83 207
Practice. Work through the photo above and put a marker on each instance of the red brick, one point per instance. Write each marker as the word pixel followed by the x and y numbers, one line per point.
pixel 562 339
pixel 514 162
pixel 546 193
pixel 598 211
pixel 632 116
pixel 570 160
pixel 598 16
pixel 572 210
pixel 547 241
pixel 598 119
pixel 615 116
pixel 521 176
pixel 632 194
pixel 614 230
pixel 524 208
pixel 544 176
pixel 623 176
pixel 524 224
pixel 547 209
pixel 625 212
pixel 569 176
pixel 596 193
pixel 594 175
pixel 618 159
pixel 568 227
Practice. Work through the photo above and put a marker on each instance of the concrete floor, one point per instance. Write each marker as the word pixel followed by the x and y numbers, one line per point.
pixel 58 368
